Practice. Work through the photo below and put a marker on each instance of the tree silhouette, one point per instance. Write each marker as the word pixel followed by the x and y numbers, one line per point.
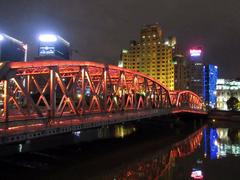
pixel 232 103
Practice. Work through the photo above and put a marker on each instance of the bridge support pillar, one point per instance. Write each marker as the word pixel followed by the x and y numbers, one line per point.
pixel 52 92
pixel 105 87
pixel 5 101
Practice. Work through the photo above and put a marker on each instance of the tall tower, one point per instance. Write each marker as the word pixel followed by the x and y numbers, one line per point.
pixel 151 55
pixel 195 71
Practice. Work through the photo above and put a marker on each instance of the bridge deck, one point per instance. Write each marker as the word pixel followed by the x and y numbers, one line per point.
pixel 22 130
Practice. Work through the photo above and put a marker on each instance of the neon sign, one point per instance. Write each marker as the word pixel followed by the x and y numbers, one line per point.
pixel 195 52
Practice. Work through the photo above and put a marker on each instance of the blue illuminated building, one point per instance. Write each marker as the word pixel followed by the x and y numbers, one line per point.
pixel 210 76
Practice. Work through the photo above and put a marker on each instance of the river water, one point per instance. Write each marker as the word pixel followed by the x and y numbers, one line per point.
pixel 183 148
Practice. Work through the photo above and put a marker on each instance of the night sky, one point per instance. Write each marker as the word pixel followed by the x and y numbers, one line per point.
pixel 100 29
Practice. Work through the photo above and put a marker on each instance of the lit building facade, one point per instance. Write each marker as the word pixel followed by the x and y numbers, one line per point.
pixel 210 74
pixel 181 77
pixel 225 89
pixel 151 55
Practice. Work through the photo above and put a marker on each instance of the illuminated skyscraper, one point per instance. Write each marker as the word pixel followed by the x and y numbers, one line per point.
pixel 151 55
pixel 210 73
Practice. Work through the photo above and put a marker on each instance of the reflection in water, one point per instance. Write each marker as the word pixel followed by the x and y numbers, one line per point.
pixel 121 131
pixel 213 144
pixel 157 165
pixel 224 141
pixel 105 132
pixel 118 131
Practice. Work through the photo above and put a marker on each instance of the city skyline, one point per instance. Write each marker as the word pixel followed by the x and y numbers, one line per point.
pixel 92 27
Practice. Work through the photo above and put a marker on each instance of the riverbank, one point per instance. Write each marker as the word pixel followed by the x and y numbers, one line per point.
pixel 225 115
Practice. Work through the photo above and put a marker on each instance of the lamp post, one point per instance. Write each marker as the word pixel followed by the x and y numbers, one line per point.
pixel 25 47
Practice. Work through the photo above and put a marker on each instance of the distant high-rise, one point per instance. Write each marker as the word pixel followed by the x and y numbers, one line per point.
pixel 210 73
pixel 53 47
pixel 181 77
pixel 151 55
pixel 195 71
pixel 11 49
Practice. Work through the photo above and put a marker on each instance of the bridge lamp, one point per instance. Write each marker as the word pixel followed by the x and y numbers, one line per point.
pixel 47 38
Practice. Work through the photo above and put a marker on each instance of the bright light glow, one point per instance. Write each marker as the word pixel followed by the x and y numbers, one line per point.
pixel 120 64
pixel 25 46
pixel 48 38
pixel 77 133
pixel 167 43
pixel 197 174
pixel 195 52
pixel 1 37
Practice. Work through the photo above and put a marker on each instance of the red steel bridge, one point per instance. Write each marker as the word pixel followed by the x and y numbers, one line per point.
pixel 42 98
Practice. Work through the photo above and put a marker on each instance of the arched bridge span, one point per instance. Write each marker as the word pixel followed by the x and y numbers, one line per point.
pixel 186 100
pixel 49 94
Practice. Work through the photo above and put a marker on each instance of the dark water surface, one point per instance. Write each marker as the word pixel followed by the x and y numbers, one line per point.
pixel 144 150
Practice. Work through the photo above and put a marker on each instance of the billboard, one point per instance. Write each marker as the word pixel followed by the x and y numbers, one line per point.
pixel 53 46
